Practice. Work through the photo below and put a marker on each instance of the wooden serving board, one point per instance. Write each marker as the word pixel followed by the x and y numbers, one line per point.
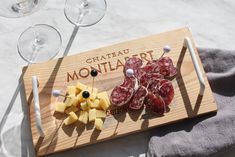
pixel 56 74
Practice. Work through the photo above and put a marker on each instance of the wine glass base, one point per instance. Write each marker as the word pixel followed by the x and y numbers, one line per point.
pixel 39 43
pixel 12 9
pixel 85 13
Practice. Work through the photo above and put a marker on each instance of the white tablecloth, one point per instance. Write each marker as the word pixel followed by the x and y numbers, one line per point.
pixel 211 22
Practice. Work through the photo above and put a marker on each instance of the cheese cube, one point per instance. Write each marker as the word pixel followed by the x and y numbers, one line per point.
pixel 73 100
pixel 89 102
pixel 93 92
pixel 71 109
pixel 81 87
pixel 80 97
pixel 72 90
pixel 84 106
pixel 95 104
pixel 99 124
pixel 92 115
pixel 83 117
pixel 72 118
pixel 73 115
pixel 103 95
pixel 104 104
pixel 100 114
pixel 60 107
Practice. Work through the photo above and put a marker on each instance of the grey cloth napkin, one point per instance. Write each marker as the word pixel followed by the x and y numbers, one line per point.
pixel 210 134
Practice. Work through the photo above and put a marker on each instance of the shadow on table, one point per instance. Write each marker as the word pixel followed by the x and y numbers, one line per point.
pixel 132 145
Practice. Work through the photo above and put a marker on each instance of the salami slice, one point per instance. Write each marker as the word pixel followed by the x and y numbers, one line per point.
pixel 133 63
pixel 163 88
pixel 154 61
pixel 148 78
pixel 156 103
pixel 166 67
pixel 129 82
pixel 138 98
pixel 121 95
pixel 166 91
pixel 150 68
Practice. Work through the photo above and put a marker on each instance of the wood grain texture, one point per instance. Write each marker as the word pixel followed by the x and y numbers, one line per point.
pixel 53 75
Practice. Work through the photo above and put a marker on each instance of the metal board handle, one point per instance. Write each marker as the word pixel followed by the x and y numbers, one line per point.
pixel 37 106
pixel 188 44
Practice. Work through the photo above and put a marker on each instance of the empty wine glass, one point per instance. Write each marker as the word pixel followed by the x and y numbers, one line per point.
pixel 39 43
pixel 84 13
pixel 18 8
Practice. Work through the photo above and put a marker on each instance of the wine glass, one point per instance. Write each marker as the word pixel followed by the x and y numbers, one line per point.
pixel 39 43
pixel 19 8
pixel 84 13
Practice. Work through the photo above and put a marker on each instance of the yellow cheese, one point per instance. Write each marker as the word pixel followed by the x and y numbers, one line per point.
pixel 100 114
pixel 93 92
pixel 98 124
pixel 72 118
pixel 89 102
pixel 84 106
pixel 95 104
pixel 83 117
pixel 104 104
pixel 72 90
pixel 92 114
pixel 80 97
pixel 81 87
pixel 60 107
pixel 71 109
pixel 73 100
pixel 73 115
pixel 104 95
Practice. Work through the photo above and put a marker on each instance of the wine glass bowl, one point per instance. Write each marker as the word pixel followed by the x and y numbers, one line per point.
pixel 85 13
pixel 39 43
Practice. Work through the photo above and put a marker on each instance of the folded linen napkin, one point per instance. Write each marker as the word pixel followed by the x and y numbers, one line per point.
pixel 210 134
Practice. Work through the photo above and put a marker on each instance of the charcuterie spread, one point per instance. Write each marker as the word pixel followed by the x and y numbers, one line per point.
pixel 146 85
pixel 115 91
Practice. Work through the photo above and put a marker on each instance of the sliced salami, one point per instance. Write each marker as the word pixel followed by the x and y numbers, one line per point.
pixel 129 82
pixel 151 68
pixel 156 103
pixel 166 91
pixel 138 98
pixel 134 64
pixel 121 95
pixel 148 78
pixel 147 84
pixel 166 67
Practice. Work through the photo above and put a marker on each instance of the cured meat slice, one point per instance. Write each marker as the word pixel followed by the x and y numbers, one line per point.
pixel 138 98
pixel 154 61
pixel 153 87
pixel 121 95
pixel 166 67
pixel 150 68
pixel 148 78
pixel 166 91
pixel 165 61
pixel 133 63
pixel 129 82
pixel 156 103
pixel 164 88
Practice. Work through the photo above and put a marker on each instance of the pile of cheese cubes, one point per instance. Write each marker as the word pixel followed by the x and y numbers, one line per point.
pixel 92 109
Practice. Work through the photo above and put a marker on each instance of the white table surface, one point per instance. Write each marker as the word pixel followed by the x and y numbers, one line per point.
pixel 211 22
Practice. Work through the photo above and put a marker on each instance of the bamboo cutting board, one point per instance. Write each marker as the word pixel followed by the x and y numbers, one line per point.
pixel 56 74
